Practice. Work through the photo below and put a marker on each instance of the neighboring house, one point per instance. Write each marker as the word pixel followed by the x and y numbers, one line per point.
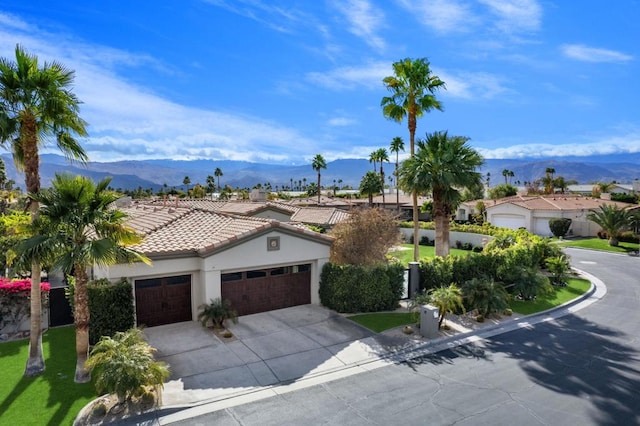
pixel 616 188
pixel 390 203
pixel 533 213
pixel 257 264
pixel 325 217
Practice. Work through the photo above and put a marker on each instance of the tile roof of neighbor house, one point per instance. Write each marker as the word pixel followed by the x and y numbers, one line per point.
pixel 171 230
pixel 312 215
pixel 555 202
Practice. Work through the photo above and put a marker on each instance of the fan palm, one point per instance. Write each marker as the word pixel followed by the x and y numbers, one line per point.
pixel 318 163
pixel 77 230
pixel 370 185
pixel 381 156
pixel 36 105
pixel 397 145
pixel 442 166
pixel 413 88
pixel 218 173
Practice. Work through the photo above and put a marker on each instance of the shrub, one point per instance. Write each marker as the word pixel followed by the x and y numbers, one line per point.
pixel 217 311
pixel 110 308
pixel 559 268
pixel 485 295
pixel 528 283
pixel 351 288
pixel 424 241
pixel 124 365
pixel 559 226
pixel 625 198
pixel 628 237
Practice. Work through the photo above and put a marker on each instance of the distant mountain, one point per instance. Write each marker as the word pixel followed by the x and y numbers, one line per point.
pixel 155 174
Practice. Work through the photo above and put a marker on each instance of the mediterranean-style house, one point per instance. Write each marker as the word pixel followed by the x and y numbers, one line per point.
pixel 533 212
pixel 198 254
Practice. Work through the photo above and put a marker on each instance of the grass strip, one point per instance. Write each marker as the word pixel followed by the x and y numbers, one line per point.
pixel 575 288
pixel 600 244
pixel 378 322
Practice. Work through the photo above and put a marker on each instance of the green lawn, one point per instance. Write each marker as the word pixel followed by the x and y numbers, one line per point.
pixel 575 288
pixel 599 244
pixel 406 256
pixel 383 321
pixel 49 399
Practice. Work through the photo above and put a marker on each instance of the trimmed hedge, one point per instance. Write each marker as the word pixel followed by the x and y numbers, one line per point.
pixel 111 308
pixel 350 288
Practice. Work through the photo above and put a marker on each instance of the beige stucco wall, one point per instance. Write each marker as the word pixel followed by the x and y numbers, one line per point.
pixel 250 254
pixel 463 237
pixel 580 226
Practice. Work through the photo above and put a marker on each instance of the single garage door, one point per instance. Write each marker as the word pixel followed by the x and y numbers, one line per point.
pixel 508 221
pixel 264 290
pixel 163 300
pixel 541 227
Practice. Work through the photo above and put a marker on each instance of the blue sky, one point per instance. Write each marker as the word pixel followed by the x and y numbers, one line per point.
pixel 280 81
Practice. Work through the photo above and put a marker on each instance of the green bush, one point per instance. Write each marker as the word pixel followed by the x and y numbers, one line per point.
pixel 625 198
pixel 559 226
pixel 485 295
pixel 628 237
pixel 350 288
pixel 110 308
pixel 217 311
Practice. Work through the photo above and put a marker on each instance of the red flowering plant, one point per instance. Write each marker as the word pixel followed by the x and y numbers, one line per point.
pixel 14 301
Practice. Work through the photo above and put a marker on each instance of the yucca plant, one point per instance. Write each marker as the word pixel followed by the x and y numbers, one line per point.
pixel 124 365
pixel 217 311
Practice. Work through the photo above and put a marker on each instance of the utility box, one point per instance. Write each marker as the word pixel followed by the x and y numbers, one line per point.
pixel 429 321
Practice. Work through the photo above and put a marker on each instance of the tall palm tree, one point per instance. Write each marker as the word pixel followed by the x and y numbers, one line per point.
pixel 397 145
pixel 37 106
pixel 318 164
pixel 370 185
pixel 77 230
pixel 218 173
pixel 413 88
pixel 373 158
pixel 611 219
pixel 443 166
pixel 547 180
pixel 186 181
pixel 505 174
pixel 382 156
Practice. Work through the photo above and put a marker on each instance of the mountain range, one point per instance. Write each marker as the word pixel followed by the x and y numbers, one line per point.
pixel 155 174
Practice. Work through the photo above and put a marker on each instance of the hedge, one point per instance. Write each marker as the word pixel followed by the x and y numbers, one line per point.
pixel 350 288
pixel 111 308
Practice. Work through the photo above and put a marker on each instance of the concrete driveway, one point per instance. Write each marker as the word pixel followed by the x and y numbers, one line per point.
pixel 268 349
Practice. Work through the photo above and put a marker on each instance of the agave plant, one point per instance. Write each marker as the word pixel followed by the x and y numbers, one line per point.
pixel 124 365
pixel 217 311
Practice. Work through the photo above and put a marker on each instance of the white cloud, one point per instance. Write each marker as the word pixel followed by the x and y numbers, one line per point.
pixel 368 76
pixel 443 16
pixel 365 20
pixel 593 54
pixel 515 15
pixel 612 145
pixel 469 85
pixel 341 122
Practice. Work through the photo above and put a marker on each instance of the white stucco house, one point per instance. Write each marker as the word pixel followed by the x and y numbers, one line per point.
pixel 533 213
pixel 258 264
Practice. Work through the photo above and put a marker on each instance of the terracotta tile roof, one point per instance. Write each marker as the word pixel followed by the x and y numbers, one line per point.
pixel 320 215
pixel 555 202
pixel 177 231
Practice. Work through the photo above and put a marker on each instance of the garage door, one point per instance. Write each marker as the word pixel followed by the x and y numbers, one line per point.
pixel 264 290
pixel 541 227
pixel 508 221
pixel 163 300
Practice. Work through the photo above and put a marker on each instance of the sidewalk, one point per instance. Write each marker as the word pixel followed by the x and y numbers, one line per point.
pixel 365 355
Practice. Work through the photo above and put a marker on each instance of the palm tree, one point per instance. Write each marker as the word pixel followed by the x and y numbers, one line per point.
pixel 413 89
pixel 211 185
pixel 611 219
pixel 186 181
pixel 318 164
pixel 36 105
pixel 373 158
pixel 447 300
pixel 505 173
pixel 547 180
pixel 442 166
pixel 79 229
pixel 381 156
pixel 218 173
pixel 397 145
pixel 370 185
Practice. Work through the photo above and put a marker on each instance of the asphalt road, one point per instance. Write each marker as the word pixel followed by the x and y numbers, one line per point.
pixel 580 369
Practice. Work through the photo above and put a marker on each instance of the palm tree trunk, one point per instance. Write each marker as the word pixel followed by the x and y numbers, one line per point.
pixel 382 178
pixel 397 188
pixel 441 219
pixel 29 138
pixel 35 362
pixel 81 316
pixel 318 188
pixel 412 122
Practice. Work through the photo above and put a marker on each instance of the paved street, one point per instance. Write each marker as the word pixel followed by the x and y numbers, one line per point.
pixel 583 368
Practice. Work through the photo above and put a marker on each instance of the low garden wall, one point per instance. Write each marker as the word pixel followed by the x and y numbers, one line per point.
pixel 463 237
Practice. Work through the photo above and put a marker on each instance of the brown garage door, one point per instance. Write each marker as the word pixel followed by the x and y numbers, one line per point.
pixel 163 300
pixel 264 290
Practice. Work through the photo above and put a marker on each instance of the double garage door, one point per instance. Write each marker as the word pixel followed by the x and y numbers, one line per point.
pixel 251 292
pixel 163 300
